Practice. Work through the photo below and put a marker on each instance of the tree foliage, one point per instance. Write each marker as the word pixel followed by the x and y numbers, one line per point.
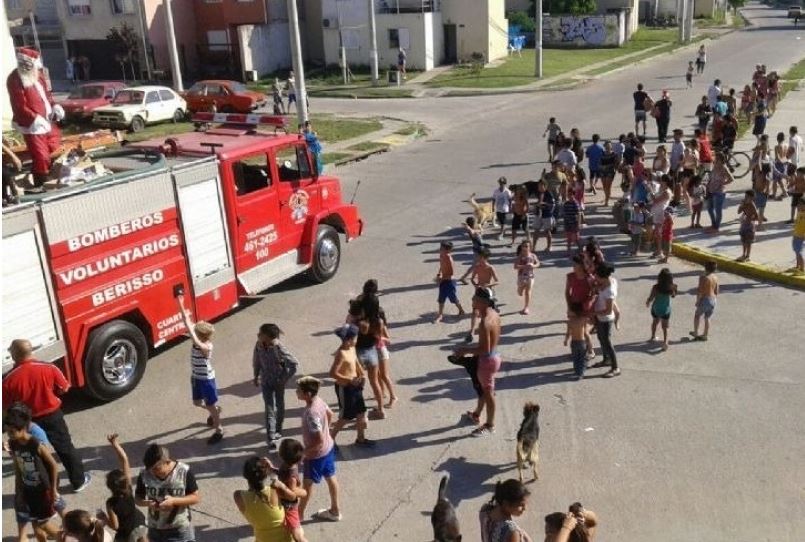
pixel 564 7
pixel 126 43
pixel 521 19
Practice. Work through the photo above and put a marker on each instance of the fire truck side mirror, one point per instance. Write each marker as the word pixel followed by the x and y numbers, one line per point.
pixel 178 290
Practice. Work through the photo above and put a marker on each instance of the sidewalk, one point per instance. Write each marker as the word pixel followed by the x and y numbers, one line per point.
pixel 772 248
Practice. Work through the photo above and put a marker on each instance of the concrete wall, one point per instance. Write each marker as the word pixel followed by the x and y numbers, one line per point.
pixel 706 8
pixel 583 31
pixel 518 5
pixel 264 48
pixel 498 33
pixel 96 25
pixel 184 24
pixel 472 26
pixel 311 32
pixel 632 7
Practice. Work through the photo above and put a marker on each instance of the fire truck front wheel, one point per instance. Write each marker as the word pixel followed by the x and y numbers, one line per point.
pixel 115 361
pixel 327 254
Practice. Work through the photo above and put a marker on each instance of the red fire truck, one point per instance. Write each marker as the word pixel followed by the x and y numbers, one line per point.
pixel 90 272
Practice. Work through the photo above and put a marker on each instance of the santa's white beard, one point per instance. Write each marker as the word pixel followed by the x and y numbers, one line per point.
pixel 28 78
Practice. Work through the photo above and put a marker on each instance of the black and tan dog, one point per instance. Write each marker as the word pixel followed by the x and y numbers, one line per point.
pixel 528 440
pixel 443 518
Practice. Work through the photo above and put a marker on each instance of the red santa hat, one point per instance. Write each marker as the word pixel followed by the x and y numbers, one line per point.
pixel 26 54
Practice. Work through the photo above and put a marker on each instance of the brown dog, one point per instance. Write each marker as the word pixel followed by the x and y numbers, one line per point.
pixel 444 519
pixel 528 440
pixel 484 212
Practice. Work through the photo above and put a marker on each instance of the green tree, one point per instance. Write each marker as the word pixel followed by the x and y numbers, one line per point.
pixel 125 41
pixel 521 19
pixel 564 7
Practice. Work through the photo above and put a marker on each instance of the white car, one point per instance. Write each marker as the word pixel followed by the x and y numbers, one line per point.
pixel 135 107
pixel 794 12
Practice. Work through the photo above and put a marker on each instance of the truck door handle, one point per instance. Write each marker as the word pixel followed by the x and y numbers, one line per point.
pixel 283 203
pixel 241 220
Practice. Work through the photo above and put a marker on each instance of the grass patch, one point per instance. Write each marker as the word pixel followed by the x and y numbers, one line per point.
pixel 332 129
pixel 412 129
pixel 330 157
pixel 368 146
pixel 362 92
pixel 718 19
pixel 519 70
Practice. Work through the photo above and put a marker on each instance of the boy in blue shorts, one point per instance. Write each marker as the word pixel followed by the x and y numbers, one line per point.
pixel 202 375
pixel 447 286
pixel 319 448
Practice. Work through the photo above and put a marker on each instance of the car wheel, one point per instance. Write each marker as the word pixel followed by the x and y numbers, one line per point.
pixel 137 124
pixel 178 116
pixel 326 254
pixel 115 360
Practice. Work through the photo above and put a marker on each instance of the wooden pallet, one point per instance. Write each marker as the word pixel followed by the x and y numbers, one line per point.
pixel 88 141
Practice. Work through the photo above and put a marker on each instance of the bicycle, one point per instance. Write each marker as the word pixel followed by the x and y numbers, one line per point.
pixel 737 162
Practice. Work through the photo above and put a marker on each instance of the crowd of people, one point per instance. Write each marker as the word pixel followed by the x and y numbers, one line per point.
pixel 655 189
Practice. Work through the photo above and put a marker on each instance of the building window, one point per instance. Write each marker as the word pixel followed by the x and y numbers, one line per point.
pixel 79 8
pixel 399 37
pixel 13 5
pixel 122 7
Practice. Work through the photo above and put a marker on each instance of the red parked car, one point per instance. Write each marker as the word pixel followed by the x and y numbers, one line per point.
pixel 228 97
pixel 84 99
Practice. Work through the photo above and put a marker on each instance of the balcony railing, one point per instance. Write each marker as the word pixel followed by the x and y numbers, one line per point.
pixel 407 6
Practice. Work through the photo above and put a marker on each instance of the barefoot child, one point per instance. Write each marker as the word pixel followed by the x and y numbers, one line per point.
pixel 637 226
pixel 660 302
pixel 576 333
pixel 202 377
pixel 349 381
pixel 749 216
pixel 552 131
pixel 121 510
pixel 525 264
pixel 697 195
pixel 666 234
pixel 291 452
pixel 444 277
pixel 483 276
pixel 705 300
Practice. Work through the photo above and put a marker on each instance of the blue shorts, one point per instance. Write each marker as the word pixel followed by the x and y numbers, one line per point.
pixel 368 356
pixel 706 307
pixel 797 244
pixel 321 467
pixel 204 390
pixel 447 290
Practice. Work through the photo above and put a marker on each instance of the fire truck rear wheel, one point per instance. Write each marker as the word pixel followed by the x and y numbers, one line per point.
pixel 115 360
pixel 326 255
pixel 137 124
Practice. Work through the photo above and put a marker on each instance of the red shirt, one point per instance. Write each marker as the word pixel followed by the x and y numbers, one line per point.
pixel 36 384
pixel 667 230
pixel 705 150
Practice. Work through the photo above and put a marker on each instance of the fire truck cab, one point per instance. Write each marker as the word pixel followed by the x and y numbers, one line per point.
pixel 91 272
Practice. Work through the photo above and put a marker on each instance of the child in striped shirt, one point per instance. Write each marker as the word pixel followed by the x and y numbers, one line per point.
pixel 202 376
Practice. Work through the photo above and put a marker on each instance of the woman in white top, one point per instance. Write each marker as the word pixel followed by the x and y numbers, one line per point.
pixel 605 316
pixel 660 199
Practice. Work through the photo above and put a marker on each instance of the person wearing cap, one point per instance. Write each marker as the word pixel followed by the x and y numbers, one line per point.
pixel 662 112
pixel 34 113
pixel 273 365
pixel 484 358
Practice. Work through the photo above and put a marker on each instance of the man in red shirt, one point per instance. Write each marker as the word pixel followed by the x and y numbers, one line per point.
pixel 39 385
pixel 705 150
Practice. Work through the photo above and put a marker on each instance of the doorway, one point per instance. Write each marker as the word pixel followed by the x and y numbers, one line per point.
pixel 450 44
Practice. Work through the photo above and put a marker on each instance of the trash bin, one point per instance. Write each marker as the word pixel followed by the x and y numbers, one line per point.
pixel 394 77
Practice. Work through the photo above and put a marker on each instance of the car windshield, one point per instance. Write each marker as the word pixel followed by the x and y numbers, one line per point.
pixel 196 89
pixel 129 97
pixel 87 93
pixel 237 87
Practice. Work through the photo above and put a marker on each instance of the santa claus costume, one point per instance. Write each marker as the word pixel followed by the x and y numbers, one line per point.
pixel 34 112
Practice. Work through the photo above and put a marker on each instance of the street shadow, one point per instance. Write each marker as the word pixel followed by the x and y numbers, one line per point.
pixel 511 164
pixel 470 480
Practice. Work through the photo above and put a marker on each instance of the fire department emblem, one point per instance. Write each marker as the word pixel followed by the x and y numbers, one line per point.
pixel 298 205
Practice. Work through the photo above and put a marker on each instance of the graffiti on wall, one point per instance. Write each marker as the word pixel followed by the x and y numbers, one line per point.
pixel 581 31
pixel 589 29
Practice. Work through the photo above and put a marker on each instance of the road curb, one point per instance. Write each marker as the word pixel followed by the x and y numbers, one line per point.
pixel 691 253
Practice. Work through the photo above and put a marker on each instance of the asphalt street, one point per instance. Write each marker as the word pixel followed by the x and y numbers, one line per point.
pixel 703 442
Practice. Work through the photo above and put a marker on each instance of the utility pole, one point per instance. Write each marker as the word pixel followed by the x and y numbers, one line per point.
pixel 141 16
pixel 538 40
pixel 689 22
pixel 298 65
pixel 173 51
pixel 373 43
pixel 681 19
pixel 342 51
